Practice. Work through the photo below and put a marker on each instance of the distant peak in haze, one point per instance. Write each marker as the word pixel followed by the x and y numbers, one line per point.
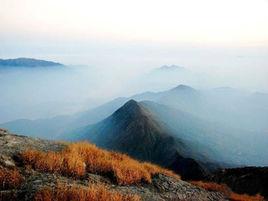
pixel 183 87
pixel 171 68
pixel 131 102
pixel 27 62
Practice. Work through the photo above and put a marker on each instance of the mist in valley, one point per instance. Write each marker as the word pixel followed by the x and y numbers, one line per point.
pixel 124 71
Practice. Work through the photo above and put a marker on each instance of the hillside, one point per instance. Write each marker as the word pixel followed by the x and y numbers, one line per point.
pixel 35 169
pixel 27 62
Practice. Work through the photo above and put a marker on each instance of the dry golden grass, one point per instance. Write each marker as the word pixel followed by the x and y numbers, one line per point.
pixel 79 158
pixel 92 193
pixel 210 186
pixel 9 179
pixel 244 197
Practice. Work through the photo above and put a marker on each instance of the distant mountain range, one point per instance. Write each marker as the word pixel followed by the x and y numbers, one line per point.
pixel 27 62
pixel 199 129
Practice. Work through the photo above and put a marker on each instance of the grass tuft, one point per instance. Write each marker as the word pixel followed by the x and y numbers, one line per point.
pixel 9 179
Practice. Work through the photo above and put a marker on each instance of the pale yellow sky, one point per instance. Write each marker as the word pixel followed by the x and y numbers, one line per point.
pixel 235 22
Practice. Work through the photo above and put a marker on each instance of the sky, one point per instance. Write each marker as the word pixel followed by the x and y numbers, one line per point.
pixel 206 22
pixel 119 31
pixel 205 35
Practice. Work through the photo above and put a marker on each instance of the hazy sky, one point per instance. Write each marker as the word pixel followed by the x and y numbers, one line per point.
pixel 223 22
pixel 226 38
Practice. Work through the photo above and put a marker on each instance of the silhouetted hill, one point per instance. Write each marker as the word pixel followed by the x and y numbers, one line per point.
pixel 27 62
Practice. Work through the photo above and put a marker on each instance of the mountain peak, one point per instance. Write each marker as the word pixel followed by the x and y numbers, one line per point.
pixel 130 108
pixel 131 103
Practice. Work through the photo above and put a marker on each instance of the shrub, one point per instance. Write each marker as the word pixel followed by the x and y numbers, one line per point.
pixel 211 186
pixel 9 179
pixel 79 158
pixel 92 193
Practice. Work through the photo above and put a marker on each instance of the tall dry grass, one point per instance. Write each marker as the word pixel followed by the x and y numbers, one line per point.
pixel 79 158
pixel 9 178
pixel 211 186
pixel 244 197
pixel 76 193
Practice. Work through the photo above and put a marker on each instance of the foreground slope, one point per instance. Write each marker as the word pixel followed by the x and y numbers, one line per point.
pixel 25 179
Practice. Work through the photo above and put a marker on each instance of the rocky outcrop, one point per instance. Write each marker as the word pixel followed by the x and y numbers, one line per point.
pixel 161 188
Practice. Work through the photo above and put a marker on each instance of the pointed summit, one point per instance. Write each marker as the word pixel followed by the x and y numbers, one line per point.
pixel 131 109
pixel 131 103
